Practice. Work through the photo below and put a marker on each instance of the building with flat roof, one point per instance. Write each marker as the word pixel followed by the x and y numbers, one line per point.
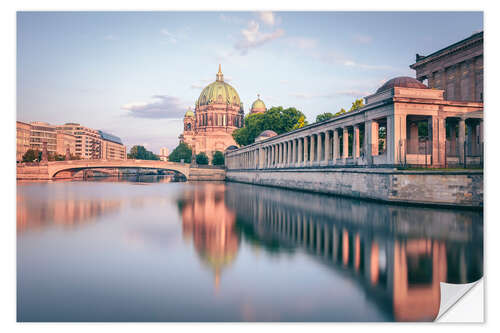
pixel 457 69
pixel 65 141
pixel 23 133
pixel 43 132
pixel 112 147
pixel 164 154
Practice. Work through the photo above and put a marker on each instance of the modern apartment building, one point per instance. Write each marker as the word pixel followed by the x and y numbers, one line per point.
pixel 88 140
pixel 65 141
pixel 112 147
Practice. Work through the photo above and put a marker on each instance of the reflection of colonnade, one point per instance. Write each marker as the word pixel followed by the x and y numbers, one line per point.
pixel 400 264
pixel 211 225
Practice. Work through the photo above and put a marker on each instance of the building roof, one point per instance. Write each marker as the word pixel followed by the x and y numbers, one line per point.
pixel 258 104
pixel 110 137
pixel 402 81
pixel 421 59
pixel 211 93
pixel 189 113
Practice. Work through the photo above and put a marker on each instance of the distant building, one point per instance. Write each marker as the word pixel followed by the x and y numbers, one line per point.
pixel 457 69
pixel 88 140
pixel 43 132
pixel 65 141
pixel 112 147
pixel 23 133
pixel 164 154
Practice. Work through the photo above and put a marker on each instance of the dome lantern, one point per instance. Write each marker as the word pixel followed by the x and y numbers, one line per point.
pixel 219 77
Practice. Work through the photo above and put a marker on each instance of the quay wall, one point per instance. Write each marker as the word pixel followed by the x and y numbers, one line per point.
pixel 445 188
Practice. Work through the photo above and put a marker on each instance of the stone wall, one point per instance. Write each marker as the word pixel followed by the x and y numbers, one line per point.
pixel 454 188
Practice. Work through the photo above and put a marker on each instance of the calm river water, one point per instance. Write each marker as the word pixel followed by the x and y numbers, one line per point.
pixel 149 250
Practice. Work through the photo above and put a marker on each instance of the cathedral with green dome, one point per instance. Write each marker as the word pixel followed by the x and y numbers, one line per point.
pixel 218 112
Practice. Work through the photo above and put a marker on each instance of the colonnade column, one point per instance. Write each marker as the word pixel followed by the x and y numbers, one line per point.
pixel 355 142
pixel 345 142
pixel 306 144
pixel 319 147
pixel 374 137
pixel 312 150
pixel 461 139
pixel 294 149
pixel 327 146
pixel 336 146
pixel 300 154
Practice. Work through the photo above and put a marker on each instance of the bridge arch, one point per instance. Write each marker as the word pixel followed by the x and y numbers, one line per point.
pixel 55 168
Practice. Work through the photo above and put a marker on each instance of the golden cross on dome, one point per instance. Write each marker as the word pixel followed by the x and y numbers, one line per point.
pixel 258 96
pixel 219 75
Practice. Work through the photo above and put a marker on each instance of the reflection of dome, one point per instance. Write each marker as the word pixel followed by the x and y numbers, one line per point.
pixel 265 135
pixel 219 92
pixel 402 81
pixel 189 113
pixel 258 106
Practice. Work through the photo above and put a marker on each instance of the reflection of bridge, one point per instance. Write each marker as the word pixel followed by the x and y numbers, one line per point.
pixel 67 169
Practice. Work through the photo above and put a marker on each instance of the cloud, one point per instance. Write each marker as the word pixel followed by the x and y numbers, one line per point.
pixel 353 93
pixel 303 43
pixel 267 18
pixel 162 107
pixel 110 37
pixel 170 36
pixel 363 39
pixel 337 58
pixel 252 37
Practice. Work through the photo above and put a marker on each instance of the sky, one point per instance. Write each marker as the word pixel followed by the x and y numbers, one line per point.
pixel 134 74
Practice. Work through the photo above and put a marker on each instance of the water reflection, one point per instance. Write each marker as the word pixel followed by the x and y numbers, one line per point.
pixel 269 254
pixel 398 254
pixel 211 225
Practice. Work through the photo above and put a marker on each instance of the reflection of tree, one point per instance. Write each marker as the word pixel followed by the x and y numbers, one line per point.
pixel 211 225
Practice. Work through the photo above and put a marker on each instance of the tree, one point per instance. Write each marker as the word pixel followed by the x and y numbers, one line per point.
pixel 357 104
pixel 324 116
pixel 301 123
pixel 276 119
pixel 31 155
pixel 218 158
pixel 141 153
pixel 181 152
pixel 202 158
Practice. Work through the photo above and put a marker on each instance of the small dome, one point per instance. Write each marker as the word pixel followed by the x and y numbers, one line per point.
pixel 232 147
pixel 265 135
pixel 219 92
pixel 258 106
pixel 402 81
pixel 189 113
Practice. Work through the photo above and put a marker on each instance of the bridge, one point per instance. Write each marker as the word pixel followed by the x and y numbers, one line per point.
pixel 67 169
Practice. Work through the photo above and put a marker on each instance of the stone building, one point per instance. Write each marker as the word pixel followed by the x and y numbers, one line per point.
pixel 403 123
pixel 112 147
pixel 457 69
pixel 23 132
pixel 218 112
pixel 42 132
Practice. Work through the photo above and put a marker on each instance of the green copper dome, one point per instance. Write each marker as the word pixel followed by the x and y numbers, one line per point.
pixel 219 92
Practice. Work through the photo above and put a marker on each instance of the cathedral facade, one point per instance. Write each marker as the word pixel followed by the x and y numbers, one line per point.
pixel 218 112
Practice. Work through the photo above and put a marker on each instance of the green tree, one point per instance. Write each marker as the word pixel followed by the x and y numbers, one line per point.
pixel 276 119
pixel 301 123
pixel 141 153
pixel 181 152
pixel 202 158
pixel 31 155
pixel 324 116
pixel 218 158
pixel 357 104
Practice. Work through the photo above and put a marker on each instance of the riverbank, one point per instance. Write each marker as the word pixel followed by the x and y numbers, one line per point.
pixel 461 188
